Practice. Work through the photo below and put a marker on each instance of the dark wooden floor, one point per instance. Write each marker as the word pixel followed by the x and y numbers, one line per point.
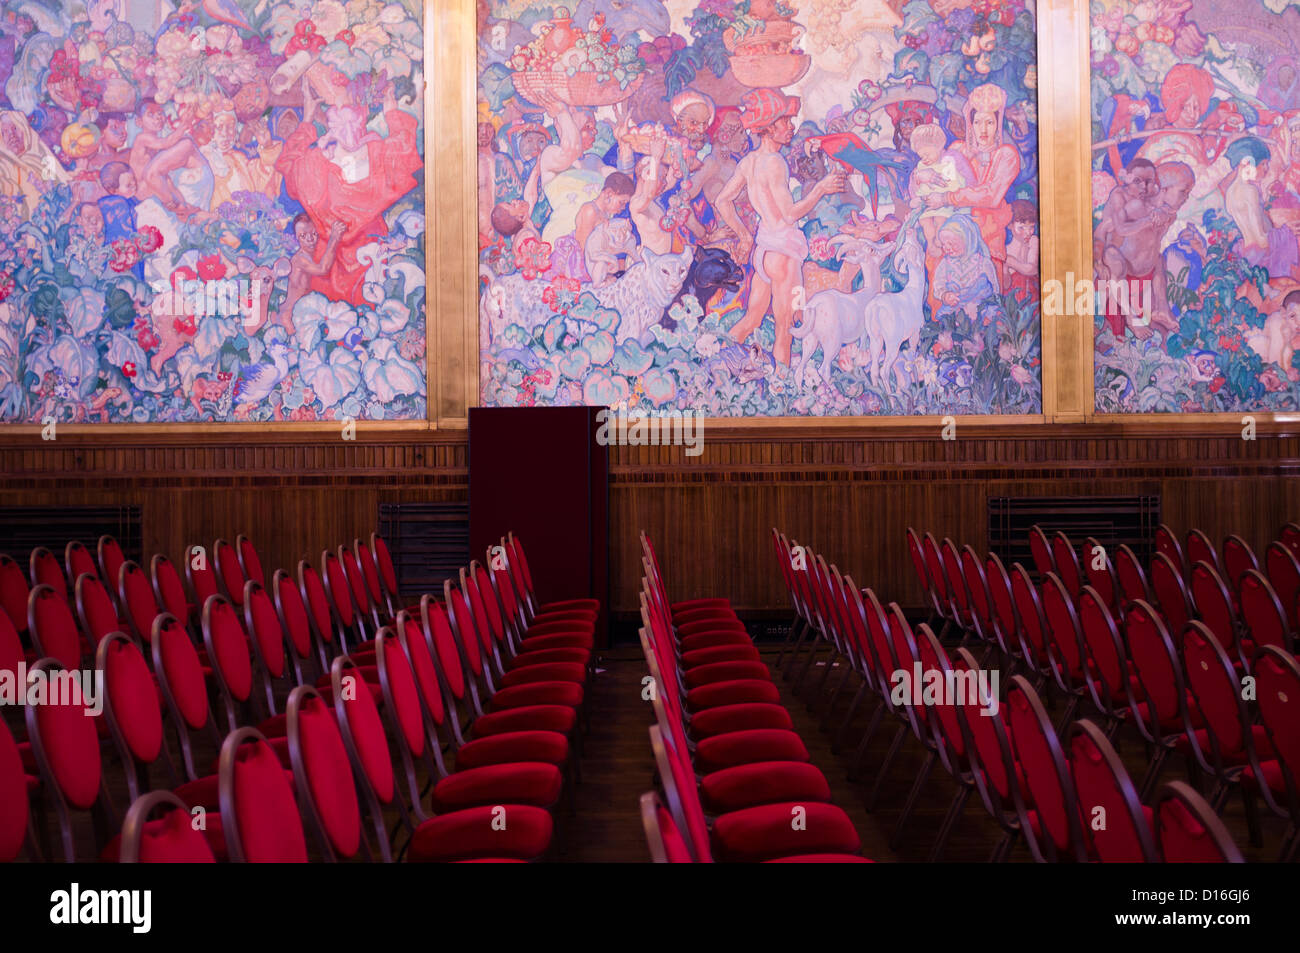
pixel 618 768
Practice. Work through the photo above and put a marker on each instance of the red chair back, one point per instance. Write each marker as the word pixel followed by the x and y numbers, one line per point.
pixel 53 629
pixel 111 558
pixel 1213 605
pixel 170 839
pixel 229 571
pixel 293 612
pixel 1041 551
pixel 130 705
pixel 14 591
pixel 1108 674
pixel 135 595
pixel 1189 831
pixel 1284 575
pixel 1004 605
pixel 46 570
pixel 1214 684
pixel 1278 686
pixel 1046 773
pixel 1106 793
pixel 14 807
pixel 1200 550
pixel 95 609
pixel 1100 572
pixel 259 815
pixel 1167 543
pixel 323 775
pixel 1159 711
pixel 1237 558
pixel 1132 577
pixel 1170 591
pixel 201 574
pixel 168 590
pixel 77 559
pixel 249 562
pixel 1029 610
pixel 312 589
pixel 1067 563
pixel 1262 613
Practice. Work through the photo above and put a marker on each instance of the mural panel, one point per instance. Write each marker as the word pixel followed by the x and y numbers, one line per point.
pixel 1196 204
pixel 755 208
pixel 211 211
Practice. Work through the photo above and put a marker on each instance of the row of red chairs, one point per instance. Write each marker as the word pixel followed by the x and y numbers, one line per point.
pixel 1167 675
pixel 718 715
pixel 1011 756
pixel 487 673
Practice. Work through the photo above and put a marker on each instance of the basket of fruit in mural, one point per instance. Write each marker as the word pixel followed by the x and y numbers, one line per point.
pixel 764 54
pixel 576 66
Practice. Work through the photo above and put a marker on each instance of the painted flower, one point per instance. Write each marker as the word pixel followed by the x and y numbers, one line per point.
pixel 211 267
pixel 128 369
pixel 1021 374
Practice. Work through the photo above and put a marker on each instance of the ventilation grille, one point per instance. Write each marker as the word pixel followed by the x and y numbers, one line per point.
pixel 23 528
pixel 1111 520
pixel 429 543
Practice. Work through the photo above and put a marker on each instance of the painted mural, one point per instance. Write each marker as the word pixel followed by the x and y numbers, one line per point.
pixel 211 212
pixel 763 207
pixel 1196 204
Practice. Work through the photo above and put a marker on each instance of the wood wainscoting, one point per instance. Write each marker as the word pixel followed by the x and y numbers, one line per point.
pixel 851 492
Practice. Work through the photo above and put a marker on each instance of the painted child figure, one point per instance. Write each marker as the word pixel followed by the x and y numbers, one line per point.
pixel 936 172
pixel 1022 251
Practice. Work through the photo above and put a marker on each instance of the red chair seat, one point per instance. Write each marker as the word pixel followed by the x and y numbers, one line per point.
pixel 1272 771
pixel 768 831
pixel 530 718
pixel 705 640
pixel 734 692
pixel 713 602
pixel 716 721
pixel 719 653
pixel 549 747
pixel 533 782
pixel 537 693
pixel 577 656
pixel 464 835
pixel 763 782
pixel 544 672
pixel 712 625
pixel 564 605
pixel 213 833
pixel 725 672
pixel 581 616
pixel 560 627
pixel 718 617
pixel 566 640
pixel 745 747
pixel 1258 734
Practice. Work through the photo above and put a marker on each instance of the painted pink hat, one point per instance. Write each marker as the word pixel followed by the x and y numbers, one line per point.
pixel 762 107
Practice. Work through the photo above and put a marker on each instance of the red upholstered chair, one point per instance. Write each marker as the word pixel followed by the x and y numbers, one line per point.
pixel 684 611
pixel 133 711
pixel 928 591
pixel 136 598
pixel 1214 606
pixel 202 575
pixel 320 612
pixel 1278 693
pixel 250 563
pixel 1107 670
pixel 374 581
pixel 461 835
pixel 169 839
pixel 761 833
pixel 323 778
pixel 53 629
pixel 352 627
pixel 946 735
pixel 366 607
pixel 1099 572
pixel 46 570
pixel 1199 549
pixel 1264 620
pixel 881 646
pixel 939 579
pixel 510 665
pixel 14 592
pixel 995 771
pixel 110 557
pixel 1031 633
pixel 168 589
pixel 960 596
pixel 1040 548
pixel 1170 590
pixel 259 815
pixel 1105 793
pixel 95 610
pixel 1284 576
pixel 1189 832
pixel 15 816
pixel 913 719
pixel 65 744
pixel 1066 560
pixel 981 600
pixel 1160 710
pixel 266 638
pixel 230 574
pixel 518 767
pixel 296 623
pixel 182 676
pixel 1053 818
pixel 1167 543
pixel 1289 536
pixel 1237 558
pixel 229 652
pixel 77 559
pixel 1132 577
pixel 666 843
pixel 387 572
pixel 1006 625
pixel 1226 742
pixel 1063 639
